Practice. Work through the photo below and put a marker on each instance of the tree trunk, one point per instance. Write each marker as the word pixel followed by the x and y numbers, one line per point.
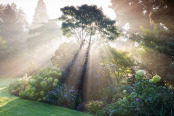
pixel 69 67
pixel 81 81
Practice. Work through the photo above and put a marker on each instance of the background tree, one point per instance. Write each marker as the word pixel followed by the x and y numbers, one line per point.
pixel 164 15
pixel 136 12
pixel 44 34
pixel 40 15
pixel 12 25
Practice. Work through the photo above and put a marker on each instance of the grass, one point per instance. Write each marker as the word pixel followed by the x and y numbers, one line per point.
pixel 15 106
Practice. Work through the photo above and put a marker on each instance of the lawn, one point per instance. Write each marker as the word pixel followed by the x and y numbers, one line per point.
pixel 15 106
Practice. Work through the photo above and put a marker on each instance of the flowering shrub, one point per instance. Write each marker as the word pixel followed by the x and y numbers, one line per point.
pixel 39 84
pixel 20 84
pixel 139 74
pixel 145 98
pixel 62 95
pixel 94 106
pixel 156 78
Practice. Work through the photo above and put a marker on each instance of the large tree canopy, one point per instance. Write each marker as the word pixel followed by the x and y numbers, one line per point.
pixel 136 12
pixel 85 21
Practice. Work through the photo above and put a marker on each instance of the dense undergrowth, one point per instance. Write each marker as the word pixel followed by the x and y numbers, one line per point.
pixel 142 97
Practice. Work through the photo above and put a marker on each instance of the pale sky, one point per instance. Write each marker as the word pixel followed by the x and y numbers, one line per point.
pixel 53 6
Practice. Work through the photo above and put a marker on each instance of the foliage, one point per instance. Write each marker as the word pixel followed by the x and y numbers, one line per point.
pixel 20 84
pixel 119 63
pixel 12 25
pixel 44 34
pixel 108 93
pixel 94 106
pixel 141 100
pixel 156 78
pixel 139 74
pixel 64 54
pixel 157 16
pixel 14 106
pixel 85 21
pixel 62 95
pixel 156 52
pixel 43 86
pixel 40 84
pixel 138 13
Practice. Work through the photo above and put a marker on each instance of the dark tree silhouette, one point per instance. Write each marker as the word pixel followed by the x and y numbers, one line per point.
pixel 84 21
pixel 40 15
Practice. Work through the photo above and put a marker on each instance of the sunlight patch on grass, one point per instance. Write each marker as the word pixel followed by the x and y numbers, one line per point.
pixel 5 100
pixel 2 88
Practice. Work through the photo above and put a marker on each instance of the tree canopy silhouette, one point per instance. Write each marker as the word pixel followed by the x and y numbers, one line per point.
pixel 84 21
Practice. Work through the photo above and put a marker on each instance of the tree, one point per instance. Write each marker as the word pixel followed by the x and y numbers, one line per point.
pixel 82 23
pixel 40 15
pixel 85 21
pixel 44 34
pixel 136 12
pixel 164 15
pixel 12 25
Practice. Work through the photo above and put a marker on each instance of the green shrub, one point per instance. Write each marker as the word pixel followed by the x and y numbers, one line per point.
pixel 41 83
pixel 36 87
pixel 146 98
pixel 94 106
pixel 139 74
pixel 20 84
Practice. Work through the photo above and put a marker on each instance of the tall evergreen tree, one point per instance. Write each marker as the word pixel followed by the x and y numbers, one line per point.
pixel 40 15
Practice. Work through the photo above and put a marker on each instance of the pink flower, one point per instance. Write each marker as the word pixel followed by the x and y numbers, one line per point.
pixel 140 105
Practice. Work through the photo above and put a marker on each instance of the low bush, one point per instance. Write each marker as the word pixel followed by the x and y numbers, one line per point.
pixel 36 87
pixel 62 95
pixel 44 86
pixel 20 84
pixel 94 106
pixel 41 83
pixel 145 98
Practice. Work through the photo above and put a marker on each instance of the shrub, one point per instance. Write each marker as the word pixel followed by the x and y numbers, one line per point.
pixel 107 93
pixel 62 95
pixel 94 106
pixel 139 74
pixel 145 98
pixel 20 84
pixel 156 78
pixel 37 86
